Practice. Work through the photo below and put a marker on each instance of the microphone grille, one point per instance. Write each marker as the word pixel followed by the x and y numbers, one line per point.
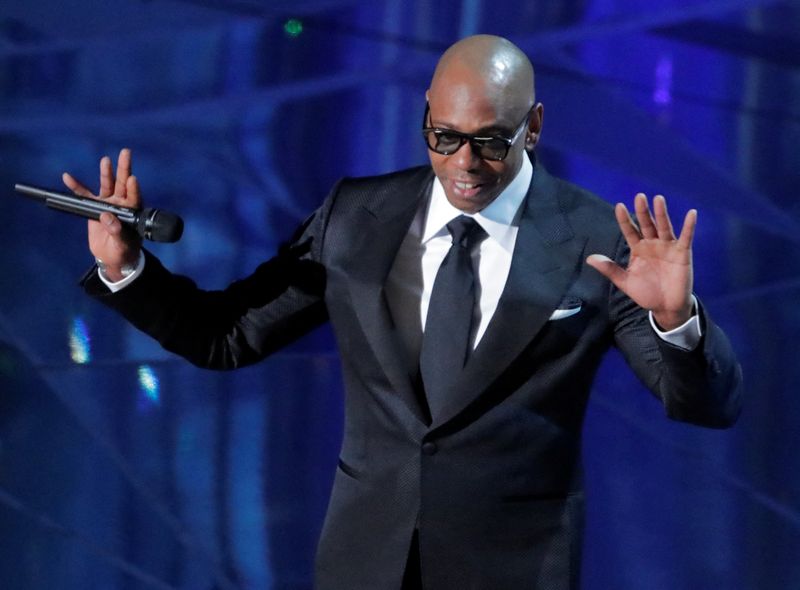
pixel 160 226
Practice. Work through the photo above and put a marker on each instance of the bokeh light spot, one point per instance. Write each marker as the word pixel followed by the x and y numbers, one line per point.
pixel 80 344
pixel 148 387
pixel 293 27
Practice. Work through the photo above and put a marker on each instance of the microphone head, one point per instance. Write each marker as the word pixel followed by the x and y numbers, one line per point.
pixel 159 226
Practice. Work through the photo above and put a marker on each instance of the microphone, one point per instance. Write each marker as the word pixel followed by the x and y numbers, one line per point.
pixel 151 224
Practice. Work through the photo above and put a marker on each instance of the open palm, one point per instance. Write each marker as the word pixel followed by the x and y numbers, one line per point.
pixel 659 274
pixel 109 241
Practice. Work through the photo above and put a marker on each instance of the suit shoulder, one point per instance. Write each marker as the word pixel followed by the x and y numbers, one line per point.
pixel 370 191
pixel 586 209
pixel 385 192
pixel 414 174
pixel 575 197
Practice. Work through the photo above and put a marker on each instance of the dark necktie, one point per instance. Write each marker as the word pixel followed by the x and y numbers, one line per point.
pixel 446 341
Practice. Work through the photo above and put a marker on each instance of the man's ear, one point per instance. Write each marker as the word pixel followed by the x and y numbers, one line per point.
pixel 534 127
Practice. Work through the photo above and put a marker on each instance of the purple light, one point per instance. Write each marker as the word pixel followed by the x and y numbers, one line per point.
pixel 662 92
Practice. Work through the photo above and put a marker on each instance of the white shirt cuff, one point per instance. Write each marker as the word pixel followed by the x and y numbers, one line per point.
pixel 122 283
pixel 686 336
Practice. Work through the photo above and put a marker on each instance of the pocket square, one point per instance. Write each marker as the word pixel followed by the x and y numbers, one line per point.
pixel 568 307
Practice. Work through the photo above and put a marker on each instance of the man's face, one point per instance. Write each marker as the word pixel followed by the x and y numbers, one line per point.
pixel 471 182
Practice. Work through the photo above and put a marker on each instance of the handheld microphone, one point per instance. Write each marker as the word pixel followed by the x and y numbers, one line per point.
pixel 151 224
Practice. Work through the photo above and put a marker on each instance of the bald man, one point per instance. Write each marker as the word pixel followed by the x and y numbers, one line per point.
pixel 470 323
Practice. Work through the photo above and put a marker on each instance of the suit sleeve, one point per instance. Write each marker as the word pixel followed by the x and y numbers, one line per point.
pixel 702 386
pixel 279 302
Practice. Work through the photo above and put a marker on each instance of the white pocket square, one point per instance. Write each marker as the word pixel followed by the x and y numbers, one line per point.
pixel 570 306
pixel 560 314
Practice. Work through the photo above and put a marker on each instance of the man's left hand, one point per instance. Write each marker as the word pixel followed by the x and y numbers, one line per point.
pixel 659 274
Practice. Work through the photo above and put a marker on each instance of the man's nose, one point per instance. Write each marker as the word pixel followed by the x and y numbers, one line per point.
pixel 465 157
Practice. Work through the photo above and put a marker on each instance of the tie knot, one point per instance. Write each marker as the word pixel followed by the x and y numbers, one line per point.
pixel 465 231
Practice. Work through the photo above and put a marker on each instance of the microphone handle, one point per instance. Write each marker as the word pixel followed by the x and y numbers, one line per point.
pixel 88 210
pixel 151 224
pixel 81 206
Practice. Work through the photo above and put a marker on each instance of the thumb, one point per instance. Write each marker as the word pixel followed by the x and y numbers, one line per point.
pixel 608 268
pixel 111 224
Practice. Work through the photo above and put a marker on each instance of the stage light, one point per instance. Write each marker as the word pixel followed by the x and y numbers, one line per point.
pixel 293 27
pixel 148 386
pixel 80 349
pixel 662 91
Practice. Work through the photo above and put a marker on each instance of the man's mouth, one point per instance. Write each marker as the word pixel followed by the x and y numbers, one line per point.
pixel 466 190
pixel 465 186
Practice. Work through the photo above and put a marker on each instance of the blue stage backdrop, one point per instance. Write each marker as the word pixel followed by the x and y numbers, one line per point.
pixel 123 467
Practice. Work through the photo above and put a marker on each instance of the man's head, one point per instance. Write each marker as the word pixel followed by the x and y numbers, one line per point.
pixel 482 86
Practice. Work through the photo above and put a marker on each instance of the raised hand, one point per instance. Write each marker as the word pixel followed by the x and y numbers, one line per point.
pixel 116 245
pixel 659 274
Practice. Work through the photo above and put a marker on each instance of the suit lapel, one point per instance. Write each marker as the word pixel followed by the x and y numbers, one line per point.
pixel 545 260
pixel 384 227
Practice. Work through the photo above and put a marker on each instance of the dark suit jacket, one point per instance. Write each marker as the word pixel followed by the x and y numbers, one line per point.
pixel 493 485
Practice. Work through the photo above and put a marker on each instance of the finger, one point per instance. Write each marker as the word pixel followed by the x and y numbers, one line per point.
pixel 106 178
pixel 663 223
pixel 75 186
pixel 123 172
pixel 134 198
pixel 643 216
pixel 609 269
pixel 687 231
pixel 626 225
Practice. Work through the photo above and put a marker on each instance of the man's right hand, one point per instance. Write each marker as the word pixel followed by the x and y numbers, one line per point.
pixel 116 245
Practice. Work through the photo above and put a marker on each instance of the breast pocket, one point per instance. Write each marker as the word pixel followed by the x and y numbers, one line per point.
pixel 565 327
pixel 568 307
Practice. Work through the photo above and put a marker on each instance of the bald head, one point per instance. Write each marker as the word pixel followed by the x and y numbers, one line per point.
pixel 481 91
pixel 491 66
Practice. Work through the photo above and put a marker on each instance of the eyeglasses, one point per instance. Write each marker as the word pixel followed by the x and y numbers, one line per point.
pixel 447 141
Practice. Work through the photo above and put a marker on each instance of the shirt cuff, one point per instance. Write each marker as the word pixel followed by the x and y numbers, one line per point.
pixel 686 336
pixel 122 283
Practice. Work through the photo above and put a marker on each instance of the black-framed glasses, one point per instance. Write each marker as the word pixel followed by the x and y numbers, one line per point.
pixel 488 147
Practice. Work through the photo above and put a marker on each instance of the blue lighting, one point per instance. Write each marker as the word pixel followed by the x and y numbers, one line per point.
pixel 148 386
pixel 80 349
pixel 662 93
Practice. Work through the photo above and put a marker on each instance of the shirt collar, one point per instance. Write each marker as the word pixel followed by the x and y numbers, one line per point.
pixel 498 219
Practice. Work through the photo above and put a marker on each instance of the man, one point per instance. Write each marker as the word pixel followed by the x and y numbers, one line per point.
pixel 470 325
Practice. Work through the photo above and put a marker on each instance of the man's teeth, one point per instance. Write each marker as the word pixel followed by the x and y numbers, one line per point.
pixel 465 186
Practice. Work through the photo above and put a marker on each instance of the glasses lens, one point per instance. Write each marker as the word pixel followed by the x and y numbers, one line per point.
pixel 443 142
pixel 493 149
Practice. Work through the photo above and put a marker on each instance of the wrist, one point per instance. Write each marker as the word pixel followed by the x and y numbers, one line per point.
pixel 667 321
pixel 115 272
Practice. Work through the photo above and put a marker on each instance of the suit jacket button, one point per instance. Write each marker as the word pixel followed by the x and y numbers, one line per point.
pixel 429 448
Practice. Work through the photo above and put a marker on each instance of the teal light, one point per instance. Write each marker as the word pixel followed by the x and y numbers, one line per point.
pixel 148 385
pixel 80 349
pixel 293 27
